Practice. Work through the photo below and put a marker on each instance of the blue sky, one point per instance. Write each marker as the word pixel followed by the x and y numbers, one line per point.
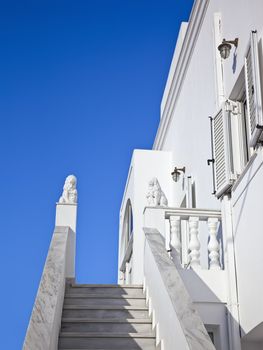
pixel 80 87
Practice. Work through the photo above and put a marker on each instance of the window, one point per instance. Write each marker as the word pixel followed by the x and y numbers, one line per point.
pixel 237 126
pixel 253 91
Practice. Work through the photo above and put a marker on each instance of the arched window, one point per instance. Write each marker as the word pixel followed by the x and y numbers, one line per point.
pixel 127 244
pixel 127 224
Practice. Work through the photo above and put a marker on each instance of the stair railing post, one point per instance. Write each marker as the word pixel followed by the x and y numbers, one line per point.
pixel 66 216
pixel 194 244
pixel 213 245
pixel 175 233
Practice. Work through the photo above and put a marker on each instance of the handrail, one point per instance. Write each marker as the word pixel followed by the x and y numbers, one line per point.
pixel 43 329
pixel 186 213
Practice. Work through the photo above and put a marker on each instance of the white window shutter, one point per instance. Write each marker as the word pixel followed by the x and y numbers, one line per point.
pixel 224 173
pixel 253 91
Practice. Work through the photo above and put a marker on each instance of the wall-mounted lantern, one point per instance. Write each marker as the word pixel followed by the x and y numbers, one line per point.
pixel 177 172
pixel 225 47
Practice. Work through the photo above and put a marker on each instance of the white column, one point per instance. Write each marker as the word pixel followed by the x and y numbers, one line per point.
pixel 194 244
pixel 175 233
pixel 213 245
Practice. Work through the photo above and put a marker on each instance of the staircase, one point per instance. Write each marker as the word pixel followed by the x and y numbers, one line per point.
pixel 105 317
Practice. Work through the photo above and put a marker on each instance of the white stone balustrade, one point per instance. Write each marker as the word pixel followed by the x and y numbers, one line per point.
pixel 193 217
pixel 175 242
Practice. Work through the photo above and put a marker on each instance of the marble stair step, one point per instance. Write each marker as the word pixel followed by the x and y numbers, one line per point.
pixel 117 341
pixel 110 325
pixel 105 289
pixel 103 296
pixel 105 317
pixel 85 285
pixel 103 300
pixel 104 311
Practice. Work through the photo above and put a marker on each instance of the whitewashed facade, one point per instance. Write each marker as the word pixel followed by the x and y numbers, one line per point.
pixel 211 128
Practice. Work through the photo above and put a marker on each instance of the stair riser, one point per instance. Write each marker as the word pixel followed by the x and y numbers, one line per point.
pixel 107 343
pixel 102 301
pixel 105 291
pixel 105 313
pixel 106 327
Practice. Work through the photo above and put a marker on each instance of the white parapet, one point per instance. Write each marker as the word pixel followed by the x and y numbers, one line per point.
pixel 44 324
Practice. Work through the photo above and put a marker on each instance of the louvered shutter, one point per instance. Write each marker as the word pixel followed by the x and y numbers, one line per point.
pixel 253 91
pixel 224 173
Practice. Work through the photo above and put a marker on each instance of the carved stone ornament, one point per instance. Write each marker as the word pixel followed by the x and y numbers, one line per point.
pixel 155 196
pixel 70 194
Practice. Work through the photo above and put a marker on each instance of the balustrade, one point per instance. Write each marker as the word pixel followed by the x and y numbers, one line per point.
pixel 193 217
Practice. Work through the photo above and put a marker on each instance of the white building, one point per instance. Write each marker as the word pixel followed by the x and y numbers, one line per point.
pixel 190 219
pixel 219 262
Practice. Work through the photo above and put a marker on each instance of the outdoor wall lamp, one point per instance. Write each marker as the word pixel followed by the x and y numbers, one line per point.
pixel 177 172
pixel 225 47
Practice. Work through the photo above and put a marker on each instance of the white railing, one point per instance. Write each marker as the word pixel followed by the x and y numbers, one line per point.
pixel 183 237
pixel 44 325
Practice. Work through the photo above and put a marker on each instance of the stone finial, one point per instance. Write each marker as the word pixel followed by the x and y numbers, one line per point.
pixel 70 194
pixel 155 196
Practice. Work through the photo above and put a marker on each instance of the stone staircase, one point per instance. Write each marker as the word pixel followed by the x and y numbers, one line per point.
pixel 105 317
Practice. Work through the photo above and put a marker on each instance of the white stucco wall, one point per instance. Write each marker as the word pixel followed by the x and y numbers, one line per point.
pixel 248 229
pixel 177 50
pixel 188 134
pixel 188 137
pixel 185 136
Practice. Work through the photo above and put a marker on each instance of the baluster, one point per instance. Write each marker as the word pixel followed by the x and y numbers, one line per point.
pixel 213 245
pixel 194 244
pixel 175 233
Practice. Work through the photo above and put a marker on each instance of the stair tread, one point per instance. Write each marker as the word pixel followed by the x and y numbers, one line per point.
pixel 104 307
pixel 106 320
pixel 121 286
pixel 106 335
pixel 95 330
pixel 104 296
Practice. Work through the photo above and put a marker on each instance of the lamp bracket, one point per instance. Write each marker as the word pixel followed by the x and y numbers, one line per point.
pixel 233 42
